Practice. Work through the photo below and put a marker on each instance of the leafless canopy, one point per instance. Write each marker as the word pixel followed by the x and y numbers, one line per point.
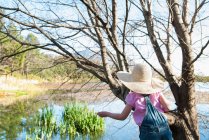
pixel 105 36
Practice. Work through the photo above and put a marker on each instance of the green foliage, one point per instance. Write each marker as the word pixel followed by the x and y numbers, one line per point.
pixel 58 71
pixel 34 62
pixel 202 78
pixel 9 50
pixel 76 119
pixel 11 116
pixel 32 39
pixel 64 71
pixel 16 92
pixel 8 47
pixel 20 93
pixel 80 119
pixel 1 21
pixel 44 124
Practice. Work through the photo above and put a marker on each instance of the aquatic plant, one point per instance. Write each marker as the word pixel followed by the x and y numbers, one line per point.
pixel 79 119
pixel 76 120
pixel 44 124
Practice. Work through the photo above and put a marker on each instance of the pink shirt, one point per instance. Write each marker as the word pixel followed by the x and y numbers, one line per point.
pixel 138 102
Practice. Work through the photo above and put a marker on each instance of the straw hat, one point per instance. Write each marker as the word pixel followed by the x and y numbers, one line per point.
pixel 140 80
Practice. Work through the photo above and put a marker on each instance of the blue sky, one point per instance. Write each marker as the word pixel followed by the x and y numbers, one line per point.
pixel 201 30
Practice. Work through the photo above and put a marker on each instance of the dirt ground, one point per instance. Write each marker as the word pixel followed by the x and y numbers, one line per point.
pixel 107 95
pixel 89 93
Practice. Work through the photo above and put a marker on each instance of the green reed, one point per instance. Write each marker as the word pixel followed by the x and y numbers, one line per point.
pixel 79 119
pixel 76 119
pixel 43 125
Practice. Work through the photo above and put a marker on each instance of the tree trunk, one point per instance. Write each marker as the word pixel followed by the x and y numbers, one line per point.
pixel 185 126
pixel 184 122
pixel 183 129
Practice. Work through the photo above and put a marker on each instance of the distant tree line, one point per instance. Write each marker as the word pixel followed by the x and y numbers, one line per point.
pixel 16 61
pixel 200 78
pixel 117 28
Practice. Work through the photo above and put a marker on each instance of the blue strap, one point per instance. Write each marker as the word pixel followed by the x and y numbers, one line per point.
pixel 152 116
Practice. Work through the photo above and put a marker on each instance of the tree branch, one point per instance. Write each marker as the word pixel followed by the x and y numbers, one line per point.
pixel 193 20
pixel 200 53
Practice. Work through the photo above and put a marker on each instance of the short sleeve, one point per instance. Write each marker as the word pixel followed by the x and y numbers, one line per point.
pixel 130 99
pixel 165 108
pixel 159 94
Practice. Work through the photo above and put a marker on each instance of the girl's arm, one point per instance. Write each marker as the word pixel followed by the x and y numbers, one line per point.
pixel 118 116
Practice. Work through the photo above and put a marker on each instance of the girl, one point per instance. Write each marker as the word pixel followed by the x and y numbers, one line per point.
pixel 148 103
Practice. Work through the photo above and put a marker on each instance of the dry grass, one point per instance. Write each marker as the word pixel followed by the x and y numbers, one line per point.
pixel 13 89
pixel 13 84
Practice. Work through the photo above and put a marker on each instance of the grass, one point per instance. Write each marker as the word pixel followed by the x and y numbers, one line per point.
pixel 21 93
pixel 11 88
pixel 76 120
pixel 80 119
pixel 42 125
pixel 14 92
pixel 12 84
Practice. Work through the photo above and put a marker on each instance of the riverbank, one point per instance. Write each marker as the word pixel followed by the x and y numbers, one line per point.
pixel 83 96
pixel 13 90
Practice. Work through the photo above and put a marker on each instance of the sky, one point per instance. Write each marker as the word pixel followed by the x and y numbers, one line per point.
pixel 201 30
pixel 201 66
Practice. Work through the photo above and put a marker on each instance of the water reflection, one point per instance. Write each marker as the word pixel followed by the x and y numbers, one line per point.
pixel 12 121
pixel 10 118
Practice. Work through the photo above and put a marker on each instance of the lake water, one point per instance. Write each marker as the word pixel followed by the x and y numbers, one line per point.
pixel 199 86
pixel 203 87
pixel 114 130
pixel 11 117
pixel 128 130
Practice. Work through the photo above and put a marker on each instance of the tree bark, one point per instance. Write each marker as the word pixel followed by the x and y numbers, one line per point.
pixel 187 125
pixel 184 122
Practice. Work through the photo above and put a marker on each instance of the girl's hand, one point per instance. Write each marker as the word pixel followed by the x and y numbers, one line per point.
pixel 118 116
pixel 103 114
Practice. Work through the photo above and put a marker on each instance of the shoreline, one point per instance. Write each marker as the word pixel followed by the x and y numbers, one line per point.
pixel 13 90
pixel 97 96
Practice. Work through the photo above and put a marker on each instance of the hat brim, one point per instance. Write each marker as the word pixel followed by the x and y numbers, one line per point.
pixel 154 86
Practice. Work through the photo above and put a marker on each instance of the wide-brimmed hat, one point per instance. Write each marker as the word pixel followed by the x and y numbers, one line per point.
pixel 140 80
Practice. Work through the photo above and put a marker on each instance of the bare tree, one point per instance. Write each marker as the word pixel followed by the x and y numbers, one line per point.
pixel 111 29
